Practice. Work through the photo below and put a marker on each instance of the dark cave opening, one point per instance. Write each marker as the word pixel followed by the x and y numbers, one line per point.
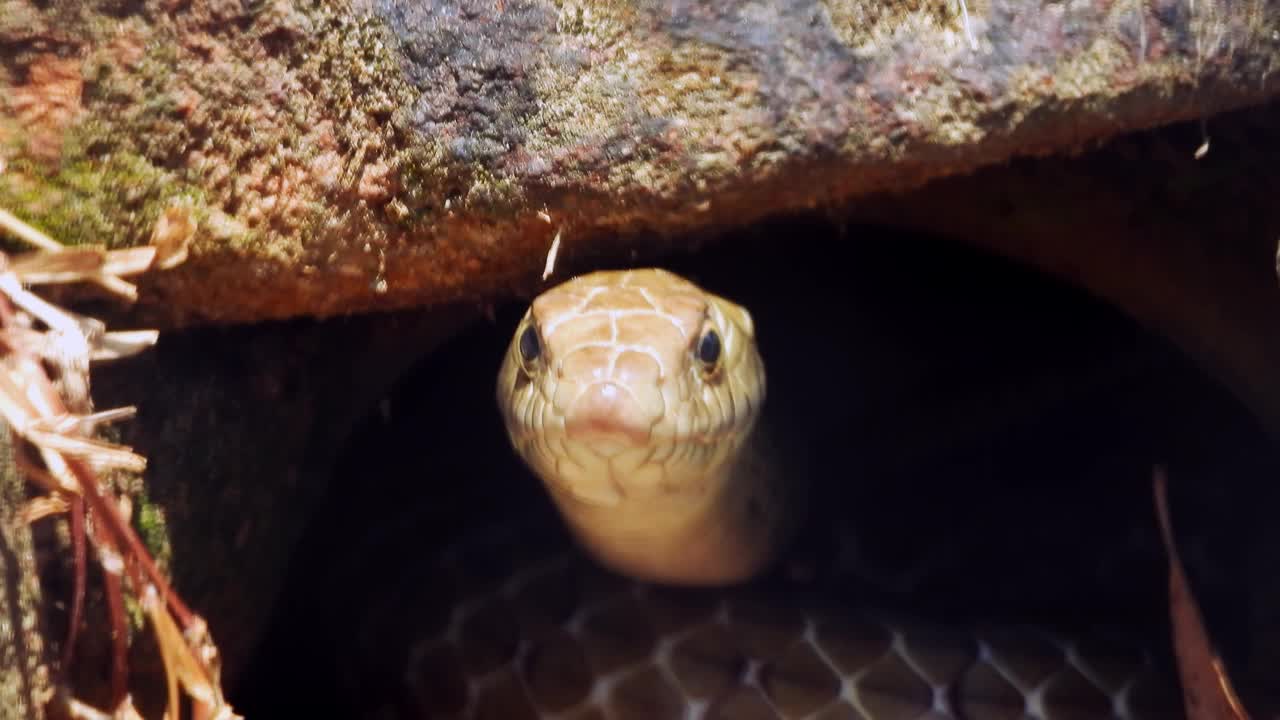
pixel 949 405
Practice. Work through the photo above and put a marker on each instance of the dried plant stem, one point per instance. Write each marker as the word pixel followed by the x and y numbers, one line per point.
pixel 57 421
pixel 76 517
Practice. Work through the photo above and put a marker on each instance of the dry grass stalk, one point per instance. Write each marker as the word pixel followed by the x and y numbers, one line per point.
pixel 52 421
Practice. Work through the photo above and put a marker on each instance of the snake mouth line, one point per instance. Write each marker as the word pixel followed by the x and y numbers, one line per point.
pixel 540 424
pixel 606 433
pixel 602 472
pixel 631 463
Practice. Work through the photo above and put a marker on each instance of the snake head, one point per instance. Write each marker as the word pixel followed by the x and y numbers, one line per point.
pixel 625 384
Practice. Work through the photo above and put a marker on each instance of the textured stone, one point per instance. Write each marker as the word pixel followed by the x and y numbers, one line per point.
pixel 422 139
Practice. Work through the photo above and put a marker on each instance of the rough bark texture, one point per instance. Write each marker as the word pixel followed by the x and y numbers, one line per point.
pixel 391 153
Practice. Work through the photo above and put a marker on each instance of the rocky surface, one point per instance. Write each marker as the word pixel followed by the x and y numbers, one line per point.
pixel 396 153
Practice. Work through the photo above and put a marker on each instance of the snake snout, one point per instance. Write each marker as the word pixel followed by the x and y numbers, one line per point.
pixel 606 413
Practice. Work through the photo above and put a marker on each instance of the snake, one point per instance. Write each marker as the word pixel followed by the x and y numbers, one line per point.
pixel 636 398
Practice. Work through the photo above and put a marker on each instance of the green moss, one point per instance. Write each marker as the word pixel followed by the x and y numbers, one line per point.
pixel 149 519
pixel 112 201
pixel 131 156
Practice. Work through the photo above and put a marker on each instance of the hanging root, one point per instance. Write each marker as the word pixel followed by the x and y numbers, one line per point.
pixel 52 423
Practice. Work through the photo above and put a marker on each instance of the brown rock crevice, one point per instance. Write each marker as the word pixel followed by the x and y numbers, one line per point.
pixel 388 154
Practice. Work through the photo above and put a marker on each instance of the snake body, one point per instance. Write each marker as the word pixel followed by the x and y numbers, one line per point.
pixel 518 623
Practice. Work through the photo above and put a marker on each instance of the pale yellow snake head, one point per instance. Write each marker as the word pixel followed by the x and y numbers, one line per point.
pixel 633 395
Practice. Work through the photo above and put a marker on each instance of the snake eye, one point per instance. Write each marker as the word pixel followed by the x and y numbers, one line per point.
pixel 709 348
pixel 530 346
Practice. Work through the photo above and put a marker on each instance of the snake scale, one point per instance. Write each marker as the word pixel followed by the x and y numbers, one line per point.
pixel 669 586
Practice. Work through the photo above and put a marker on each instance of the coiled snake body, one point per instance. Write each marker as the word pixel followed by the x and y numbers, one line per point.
pixel 634 396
